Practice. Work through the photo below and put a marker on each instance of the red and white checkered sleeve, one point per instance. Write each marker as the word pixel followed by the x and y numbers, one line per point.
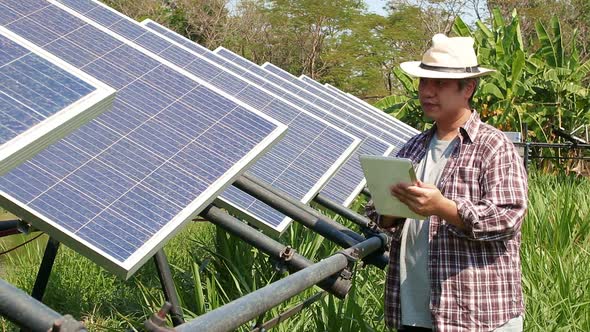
pixel 498 215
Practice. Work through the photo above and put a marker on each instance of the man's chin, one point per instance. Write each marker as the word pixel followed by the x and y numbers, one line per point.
pixel 431 113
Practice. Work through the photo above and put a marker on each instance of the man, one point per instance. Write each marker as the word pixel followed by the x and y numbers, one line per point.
pixel 458 270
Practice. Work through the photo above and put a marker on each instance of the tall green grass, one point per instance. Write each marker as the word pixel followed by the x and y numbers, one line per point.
pixel 211 267
pixel 555 254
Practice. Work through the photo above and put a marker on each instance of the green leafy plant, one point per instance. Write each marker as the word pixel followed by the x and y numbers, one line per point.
pixel 541 88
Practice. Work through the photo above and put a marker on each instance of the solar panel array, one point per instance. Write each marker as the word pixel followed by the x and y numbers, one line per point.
pixel 184 124
pixel 41 99
pixel 345 185
pixel 300 164
pixel 365 107
pixel 121 185
pixel 392 123
pixel 344 110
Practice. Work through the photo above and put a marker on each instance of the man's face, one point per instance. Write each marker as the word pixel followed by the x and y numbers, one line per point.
pixel 442 97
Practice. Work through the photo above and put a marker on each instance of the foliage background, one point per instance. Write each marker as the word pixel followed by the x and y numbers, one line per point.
pixel 340 42
pixel 541 52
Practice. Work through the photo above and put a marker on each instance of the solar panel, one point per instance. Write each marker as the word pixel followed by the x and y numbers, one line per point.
pixel 395 124
pixel 345 186
pixel 513 136
pixel 317 88
pixel 342 110
pixel 368 108
pixel 300 164
pixel 307 100
pixel 349 179
pixel 117 188
pixel 42 99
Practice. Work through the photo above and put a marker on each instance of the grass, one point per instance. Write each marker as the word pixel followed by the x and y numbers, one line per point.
pixel 556 255
pixel 211 268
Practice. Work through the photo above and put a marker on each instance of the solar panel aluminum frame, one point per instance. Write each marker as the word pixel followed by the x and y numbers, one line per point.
pixel 126 268
pixel 357 190
pixel 25 145
pixel 227 204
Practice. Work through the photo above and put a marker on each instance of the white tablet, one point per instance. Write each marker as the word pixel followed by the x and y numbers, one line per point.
pixel 383 172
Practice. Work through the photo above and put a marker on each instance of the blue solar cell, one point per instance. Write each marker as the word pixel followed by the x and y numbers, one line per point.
pixel 16 118
pixel 39 100
pixel 7 17
pixel 80 6
pixel 345 185
pixel 102 15
pixel 10 51
pixel 94 189
pixel 303 128
pixel 394 125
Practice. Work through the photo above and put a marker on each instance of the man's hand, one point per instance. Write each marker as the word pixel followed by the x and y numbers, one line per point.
pixel 425 199
pixel 422 198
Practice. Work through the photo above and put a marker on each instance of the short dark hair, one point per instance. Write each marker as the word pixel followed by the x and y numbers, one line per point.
pixel 463 83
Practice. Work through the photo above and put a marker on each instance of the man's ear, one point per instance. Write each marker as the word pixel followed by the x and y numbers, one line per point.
pixel 469 88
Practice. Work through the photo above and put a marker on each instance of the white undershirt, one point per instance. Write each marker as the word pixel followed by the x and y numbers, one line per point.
pixel 414 280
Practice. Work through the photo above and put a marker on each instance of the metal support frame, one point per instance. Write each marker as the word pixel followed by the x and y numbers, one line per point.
pixel 9 227
pixel 555 145
pixel 271 193
pixel 328 228
pixel 168 287
pixel 295 261
pixel 329 204
pixel 248 307
pixel 25 311
pixel 162 267
pixel 45 269
pixel 366 192
pixel 28 311
pixel 575 143
pixel 289 313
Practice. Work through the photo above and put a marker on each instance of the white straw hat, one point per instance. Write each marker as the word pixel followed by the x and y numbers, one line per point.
pixel 452 58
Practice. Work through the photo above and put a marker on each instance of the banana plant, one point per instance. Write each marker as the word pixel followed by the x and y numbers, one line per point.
pixel 504 97
pixel 542 88
pixel 563 77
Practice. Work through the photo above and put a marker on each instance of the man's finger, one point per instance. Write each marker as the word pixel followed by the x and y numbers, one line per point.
pixel 415 191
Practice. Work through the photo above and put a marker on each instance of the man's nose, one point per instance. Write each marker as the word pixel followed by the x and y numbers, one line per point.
pixel 427 89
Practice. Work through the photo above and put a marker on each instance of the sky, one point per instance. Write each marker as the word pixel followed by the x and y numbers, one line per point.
pixel 376 6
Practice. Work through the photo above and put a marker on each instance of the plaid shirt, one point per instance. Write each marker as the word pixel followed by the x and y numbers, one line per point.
pixel 475 275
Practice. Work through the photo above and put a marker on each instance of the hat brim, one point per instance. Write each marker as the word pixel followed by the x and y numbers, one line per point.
pixel 413 68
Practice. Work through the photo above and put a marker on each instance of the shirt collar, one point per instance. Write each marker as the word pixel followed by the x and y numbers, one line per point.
pixel 468 131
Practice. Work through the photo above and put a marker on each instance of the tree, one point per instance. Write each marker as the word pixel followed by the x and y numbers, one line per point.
pixel 205 21
pixel 574 16
pixel 306 25
pixel 362 60
pixel 253 37
pixel 436 16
